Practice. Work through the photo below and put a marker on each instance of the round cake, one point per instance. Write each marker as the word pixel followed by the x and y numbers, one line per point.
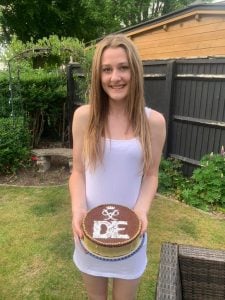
pixel 111 230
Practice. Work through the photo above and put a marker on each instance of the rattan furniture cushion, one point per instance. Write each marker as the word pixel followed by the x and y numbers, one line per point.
pixel 190 273
pixel 202 273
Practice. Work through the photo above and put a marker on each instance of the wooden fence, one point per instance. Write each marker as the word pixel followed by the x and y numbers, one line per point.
pixel 191 96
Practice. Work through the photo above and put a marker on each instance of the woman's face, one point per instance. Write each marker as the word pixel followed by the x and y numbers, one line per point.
pixel 115 74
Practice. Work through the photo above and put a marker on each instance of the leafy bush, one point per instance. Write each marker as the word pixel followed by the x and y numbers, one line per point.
pixel 40 95
pixel 206 188
pixel 39 89
pixel 171 179
pixel 14 144
pixel 43 95
pixel 5 107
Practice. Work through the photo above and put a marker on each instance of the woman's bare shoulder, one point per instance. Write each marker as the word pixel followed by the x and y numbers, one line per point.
pixel 158 129
pixel 156 119
pixel 82 111
pixel 81 114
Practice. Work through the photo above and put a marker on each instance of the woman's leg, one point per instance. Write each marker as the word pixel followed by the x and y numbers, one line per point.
pixel 125 289
pixel 97 287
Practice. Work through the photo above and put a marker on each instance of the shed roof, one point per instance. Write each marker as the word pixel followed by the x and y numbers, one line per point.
pixel 216 8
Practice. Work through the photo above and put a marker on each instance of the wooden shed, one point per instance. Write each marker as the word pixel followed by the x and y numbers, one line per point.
pixel 195 31
pixel 183 55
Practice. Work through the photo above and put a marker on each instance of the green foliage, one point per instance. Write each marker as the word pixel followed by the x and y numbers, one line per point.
pixel 41 93
pixel 172 5
pixel 43 96
pixel 5 107
pixel 40 89
pixel 49 54
pixel 36 18
pixel 62 49
pixel 206 189
pixel 14 144
pixel 171 180
pixel 85 19
pixel 100 18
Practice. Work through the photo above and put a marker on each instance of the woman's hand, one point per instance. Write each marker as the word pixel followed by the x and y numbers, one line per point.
pixel 142 216
pixel 77 220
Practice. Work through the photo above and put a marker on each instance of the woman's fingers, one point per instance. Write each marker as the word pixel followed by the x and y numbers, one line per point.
pixel 77 224
pixel 142 216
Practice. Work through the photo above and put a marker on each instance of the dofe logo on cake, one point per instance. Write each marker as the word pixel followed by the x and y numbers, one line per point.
pixel 110 227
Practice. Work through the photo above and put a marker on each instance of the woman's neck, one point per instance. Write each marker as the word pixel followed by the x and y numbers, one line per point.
pixel 118 125
pixel 117 108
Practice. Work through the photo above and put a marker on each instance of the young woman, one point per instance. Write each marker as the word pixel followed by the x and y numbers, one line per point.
pixel 117 147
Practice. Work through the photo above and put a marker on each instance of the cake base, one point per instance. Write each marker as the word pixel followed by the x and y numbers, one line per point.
pixel 110 251
pixel 114 258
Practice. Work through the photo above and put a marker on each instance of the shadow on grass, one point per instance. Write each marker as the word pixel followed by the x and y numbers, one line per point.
pixel 62 246
pixel 48 206
pixel 188 227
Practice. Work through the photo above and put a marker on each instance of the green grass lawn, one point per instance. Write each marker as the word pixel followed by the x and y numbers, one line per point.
pixel 37 246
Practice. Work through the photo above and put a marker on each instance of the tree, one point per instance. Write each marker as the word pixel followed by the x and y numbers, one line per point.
pixel 37 19
pixel 171 5
pixel 84 19
pixel 131 12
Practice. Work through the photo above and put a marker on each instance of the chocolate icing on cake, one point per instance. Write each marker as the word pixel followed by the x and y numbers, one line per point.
pixel 111 226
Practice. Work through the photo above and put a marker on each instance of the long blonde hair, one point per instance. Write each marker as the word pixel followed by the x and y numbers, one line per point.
pixel 99 104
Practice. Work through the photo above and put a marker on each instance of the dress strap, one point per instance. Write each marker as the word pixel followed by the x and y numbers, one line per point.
pixel 148 111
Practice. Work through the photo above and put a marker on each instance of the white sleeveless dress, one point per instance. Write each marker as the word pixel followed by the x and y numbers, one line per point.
pixel 116 181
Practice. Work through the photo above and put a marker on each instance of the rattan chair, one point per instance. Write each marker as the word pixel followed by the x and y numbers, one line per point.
pixel 190 273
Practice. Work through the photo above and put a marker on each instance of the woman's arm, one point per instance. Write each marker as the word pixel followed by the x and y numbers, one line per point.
pixel 150 180
pixel 77 178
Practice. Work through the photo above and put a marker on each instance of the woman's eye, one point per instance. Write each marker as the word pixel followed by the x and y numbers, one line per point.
pixel 106 70
pixel 124 68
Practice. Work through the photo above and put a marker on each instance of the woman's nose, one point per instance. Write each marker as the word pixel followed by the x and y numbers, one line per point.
pixel 115 76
